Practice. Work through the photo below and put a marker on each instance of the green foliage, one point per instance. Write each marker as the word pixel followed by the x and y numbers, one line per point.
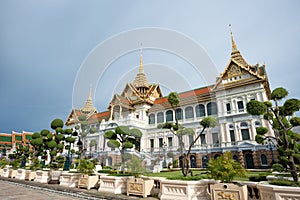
pixel 45 132
pixel 209 122
pixel 135 167
pixel 113 144
pixel 68 131
pixel 60 146
pixel 291 106
pixel 60 137
pixel 93 130
pixel 49 136
pixel 110 135
pixel 285 183
pixel 58 130
pixel 56 123
pixel 173 99
pixel 224 168
pixel 70 139
pixel 256 108
pixel 86 167
pixel 277 167
pixel 136 133
pixel 58 162
pixel 127 145
pixel 52 144
pixel 122 130
pixel 185 131
pixel 82 118
pixel 261 130
pixel 93 143
pixel 279 93
pixel 295 121
pixel 3 163
pixel 36 135
pixel 259 139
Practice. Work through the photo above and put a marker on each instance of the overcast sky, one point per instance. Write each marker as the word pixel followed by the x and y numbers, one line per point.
pixel 44 44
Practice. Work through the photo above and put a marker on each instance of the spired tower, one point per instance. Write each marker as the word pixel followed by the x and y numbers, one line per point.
pixel 136 98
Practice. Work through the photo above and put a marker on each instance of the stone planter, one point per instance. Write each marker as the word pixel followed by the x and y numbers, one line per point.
pixel 6 171
pixel 54 176
pixel 113 184
pixel 30 175
pixel 68 179
pixel 184 190
pixel 42 176
pixel 140 187
pixel 12 173
pixel 88 182
pixel 274 192
pixel 229 191
pixel 21 174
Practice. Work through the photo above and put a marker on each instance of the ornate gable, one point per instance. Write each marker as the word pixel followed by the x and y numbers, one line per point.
pixel 238 72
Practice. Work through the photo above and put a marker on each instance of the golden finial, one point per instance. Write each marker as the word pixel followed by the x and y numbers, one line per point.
pixel 232 40
pixel 90 92
pixel 141 60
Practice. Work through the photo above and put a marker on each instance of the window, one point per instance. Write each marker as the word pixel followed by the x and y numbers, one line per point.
pixel 189 113
pixel 202 139
pixel 191 139
pixel 160 142
pixel 151 143
pixel 257 124
pixel 228 108
pixel 200 110
pixel 160 117
pixel 236 158
pixel 211 108
pixel 240 106
pixel 151 119
pixel 179 113
pixel 169 116
pixel 245 134
pixel 215 137
pixel 170 141
pixel 263 159
pixel 232 136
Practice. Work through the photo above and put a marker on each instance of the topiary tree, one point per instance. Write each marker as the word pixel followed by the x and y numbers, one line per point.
pixel 122 138
pixel 179 131
pixel 92 144
pixel 282 120
pixel 84 130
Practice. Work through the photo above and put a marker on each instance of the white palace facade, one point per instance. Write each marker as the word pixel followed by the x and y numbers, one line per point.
pixel 142 105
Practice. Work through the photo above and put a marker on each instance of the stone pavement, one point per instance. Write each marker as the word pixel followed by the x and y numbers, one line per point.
pixel 30 190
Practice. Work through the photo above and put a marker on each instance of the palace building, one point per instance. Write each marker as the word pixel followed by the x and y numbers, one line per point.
pixel 142 105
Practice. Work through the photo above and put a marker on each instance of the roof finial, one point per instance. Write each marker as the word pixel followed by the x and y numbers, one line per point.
pixel 90 92
pixel 232 40
pixel 141 60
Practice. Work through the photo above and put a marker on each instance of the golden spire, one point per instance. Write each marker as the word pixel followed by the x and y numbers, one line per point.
pixel 140 79
pixel 232 40
pixel 89 107
pixel 141 61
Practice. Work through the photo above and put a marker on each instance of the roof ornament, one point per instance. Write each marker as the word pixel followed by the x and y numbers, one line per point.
pixel 141 70
pixel 234 48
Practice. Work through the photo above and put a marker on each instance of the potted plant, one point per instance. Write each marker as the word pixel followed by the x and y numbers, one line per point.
pixel 56 169
pixel 88 179
pixel 137 185
pixel 225 169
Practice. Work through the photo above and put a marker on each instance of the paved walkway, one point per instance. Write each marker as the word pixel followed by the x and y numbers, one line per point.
pixel 10 191
pixel 30 190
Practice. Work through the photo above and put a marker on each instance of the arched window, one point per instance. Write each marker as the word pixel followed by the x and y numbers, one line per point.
pixel 151 119
pixel 179 113
pixel 244 124
pixel 189 113
pixel 160 117
pixel 212 108
pixel 263 159
pixel 169 116
pixel 236 158
pixel 200 110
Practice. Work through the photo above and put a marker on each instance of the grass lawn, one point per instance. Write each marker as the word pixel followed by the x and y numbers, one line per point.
pixel 200 174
